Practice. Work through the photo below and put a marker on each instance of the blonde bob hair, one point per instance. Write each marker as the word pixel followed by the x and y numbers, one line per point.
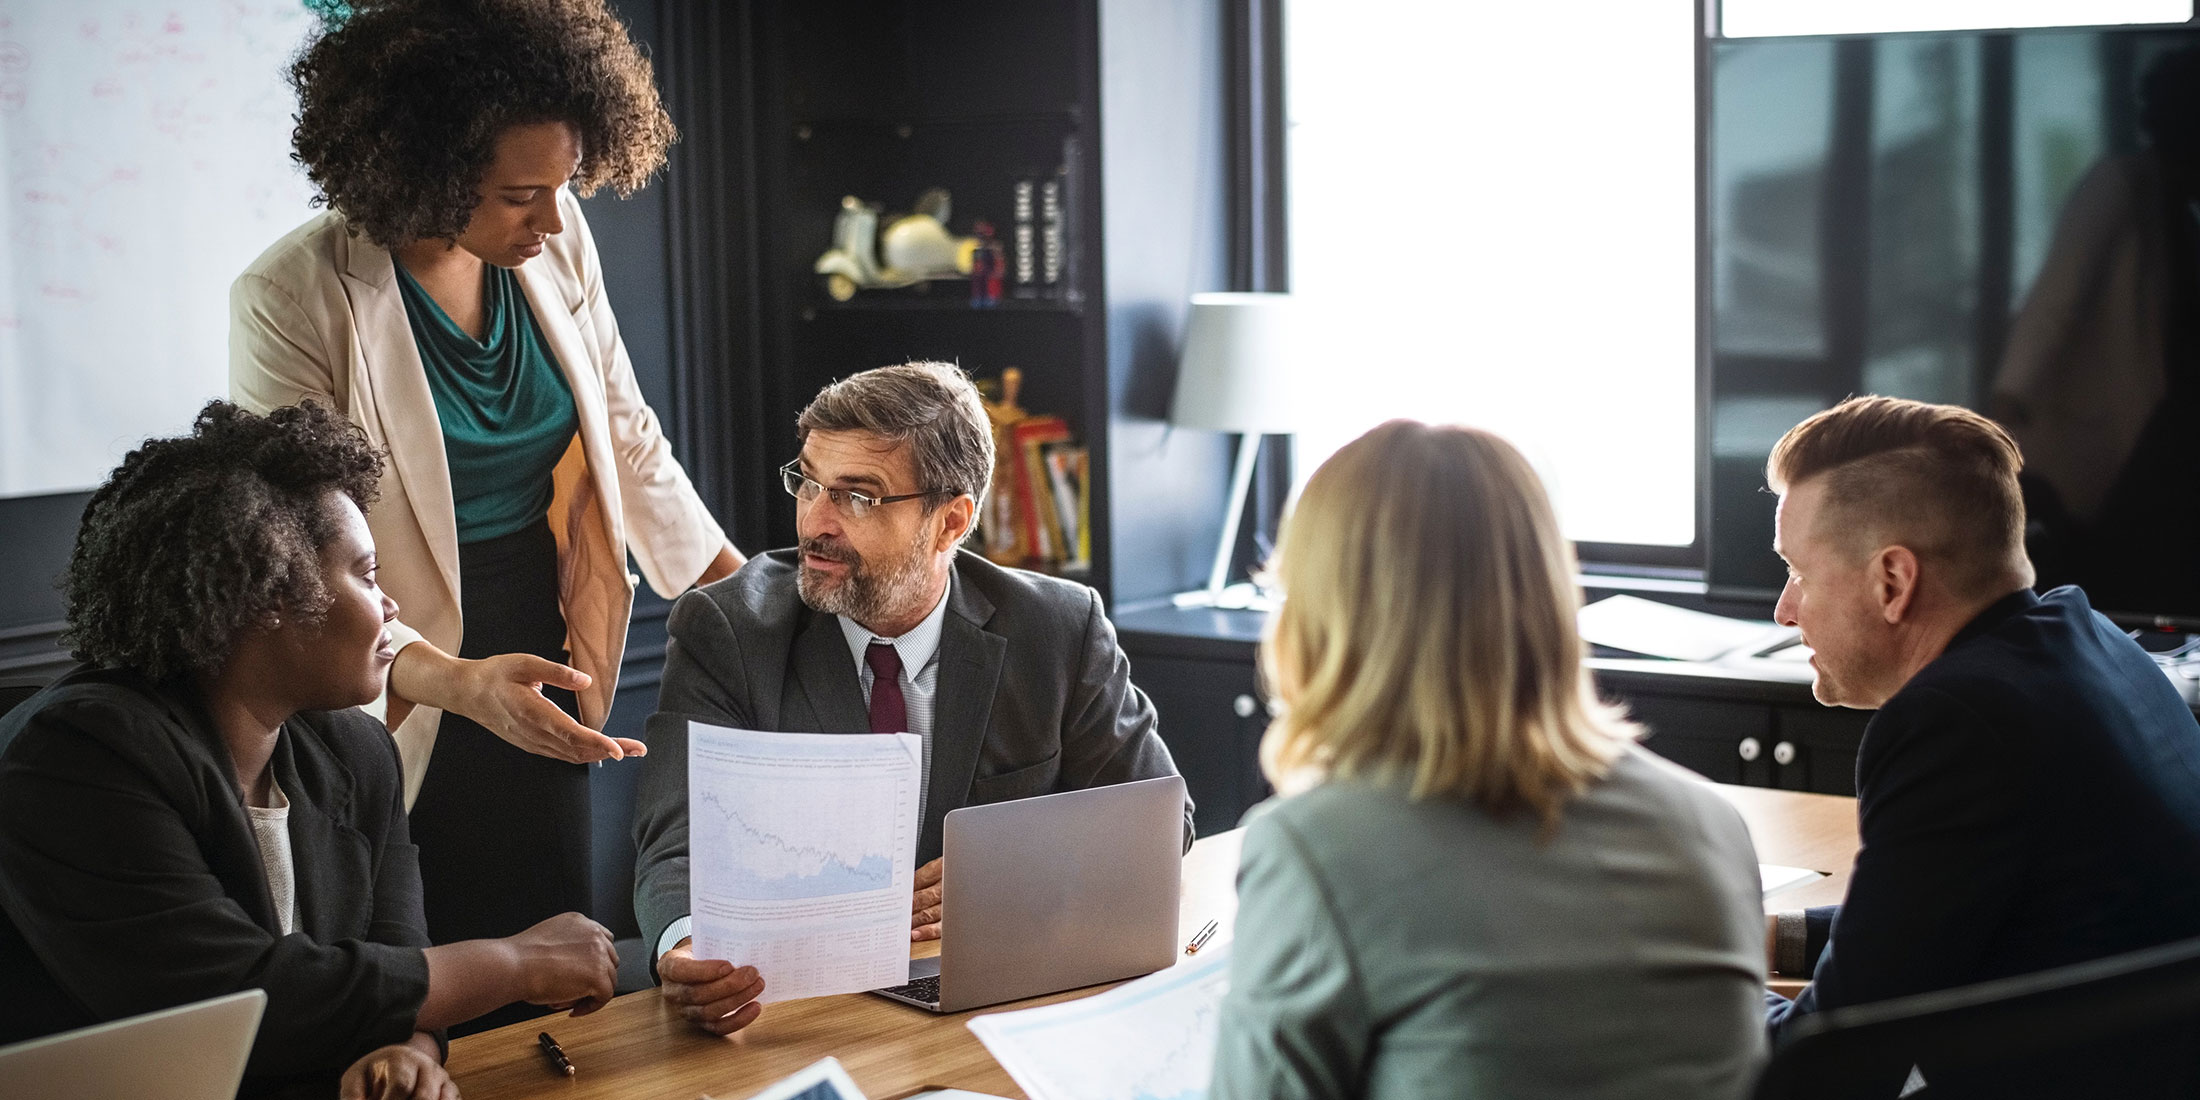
pixel 1427 635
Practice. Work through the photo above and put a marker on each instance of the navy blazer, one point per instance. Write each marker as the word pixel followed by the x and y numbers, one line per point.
pixel 2029 799
pixel 130 879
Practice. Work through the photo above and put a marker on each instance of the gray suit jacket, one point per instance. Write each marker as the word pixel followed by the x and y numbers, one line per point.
pixel 1033 697
pixel 1393 948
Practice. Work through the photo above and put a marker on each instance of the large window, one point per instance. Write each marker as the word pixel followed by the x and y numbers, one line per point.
pixel 1492 216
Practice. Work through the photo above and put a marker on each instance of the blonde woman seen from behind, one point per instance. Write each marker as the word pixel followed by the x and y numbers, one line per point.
pixel 1475 883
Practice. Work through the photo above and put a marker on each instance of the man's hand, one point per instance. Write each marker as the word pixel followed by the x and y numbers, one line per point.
pixel 400 1071
pixel 925 904
pixel 713 994
pixel 504 694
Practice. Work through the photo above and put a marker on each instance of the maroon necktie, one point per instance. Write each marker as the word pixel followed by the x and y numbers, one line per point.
pixel 889 713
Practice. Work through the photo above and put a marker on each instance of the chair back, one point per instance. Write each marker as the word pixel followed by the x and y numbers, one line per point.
pixel 13 691
pixel 2129 1018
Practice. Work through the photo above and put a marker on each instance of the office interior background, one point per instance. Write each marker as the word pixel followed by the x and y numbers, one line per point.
pixel 1639 239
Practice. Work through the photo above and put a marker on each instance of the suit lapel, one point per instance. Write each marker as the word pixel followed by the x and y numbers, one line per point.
pixel 235 863
pixel 554 319
pixel 826 676
pixel 405 419
pixel 327 870
pixel 970 673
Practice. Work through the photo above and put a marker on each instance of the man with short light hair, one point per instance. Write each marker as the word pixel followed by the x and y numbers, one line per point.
pixel 2029 791
pixel 878 622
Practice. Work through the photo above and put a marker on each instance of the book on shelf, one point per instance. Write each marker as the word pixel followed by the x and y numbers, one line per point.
pixel 1038 517
pixel 1065 468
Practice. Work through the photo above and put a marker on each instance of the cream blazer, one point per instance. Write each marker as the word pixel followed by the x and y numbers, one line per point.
pixel 319 315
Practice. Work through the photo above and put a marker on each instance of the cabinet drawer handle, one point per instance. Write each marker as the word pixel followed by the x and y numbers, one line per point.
pixel 1783 753
pixel 1245 705
pixel 1750 748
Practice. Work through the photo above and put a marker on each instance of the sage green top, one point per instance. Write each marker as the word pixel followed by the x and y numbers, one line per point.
pixel 1392 948
pixel 506 409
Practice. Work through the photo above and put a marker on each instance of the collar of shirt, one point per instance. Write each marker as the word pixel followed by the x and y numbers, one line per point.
pixel 917 647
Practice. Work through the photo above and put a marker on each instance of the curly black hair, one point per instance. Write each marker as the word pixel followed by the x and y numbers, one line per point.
pixel 400 103
pixel 194 538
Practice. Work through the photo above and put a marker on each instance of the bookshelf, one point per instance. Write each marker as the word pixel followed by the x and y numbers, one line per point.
pixel 883 101
pixel 787 106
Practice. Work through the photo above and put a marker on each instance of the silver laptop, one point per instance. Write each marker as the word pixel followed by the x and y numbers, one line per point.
pixel 190 1052
pixel 1053 893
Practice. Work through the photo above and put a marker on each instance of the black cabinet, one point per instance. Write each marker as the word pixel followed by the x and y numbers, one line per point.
pixel 1212 718
pixel 1699 726
pixel 1198 667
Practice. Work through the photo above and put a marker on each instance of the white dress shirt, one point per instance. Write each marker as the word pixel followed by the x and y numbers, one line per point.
pixel 271 827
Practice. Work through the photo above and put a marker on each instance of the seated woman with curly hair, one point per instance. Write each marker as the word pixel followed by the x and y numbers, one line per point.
pixel 452 305
pixel 198 808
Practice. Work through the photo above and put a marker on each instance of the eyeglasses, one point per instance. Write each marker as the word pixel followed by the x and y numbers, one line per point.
pixel 848 502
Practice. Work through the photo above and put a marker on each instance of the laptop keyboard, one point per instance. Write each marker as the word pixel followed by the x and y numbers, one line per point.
pixel 923 989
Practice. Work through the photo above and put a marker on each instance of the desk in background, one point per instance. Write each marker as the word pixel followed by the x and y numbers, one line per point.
pixel 637 1049
pixel 1761 728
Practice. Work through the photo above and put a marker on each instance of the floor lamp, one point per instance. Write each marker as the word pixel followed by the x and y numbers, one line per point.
pixel 1239 373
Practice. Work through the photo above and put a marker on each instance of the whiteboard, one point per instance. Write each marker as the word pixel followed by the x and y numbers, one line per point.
pixel 146 153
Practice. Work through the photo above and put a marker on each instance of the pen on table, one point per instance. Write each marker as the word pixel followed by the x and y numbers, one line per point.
pixel 1199 939
pixel 557 1057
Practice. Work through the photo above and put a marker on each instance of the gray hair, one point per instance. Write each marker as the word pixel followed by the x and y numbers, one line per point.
pixel 932 407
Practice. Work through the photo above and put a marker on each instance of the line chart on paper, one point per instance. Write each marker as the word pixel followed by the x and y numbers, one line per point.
pixel 783 848
pixel 801 855
pixel 1151 1039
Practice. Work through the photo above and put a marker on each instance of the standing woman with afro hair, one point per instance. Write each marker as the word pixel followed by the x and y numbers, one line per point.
pixel 450 302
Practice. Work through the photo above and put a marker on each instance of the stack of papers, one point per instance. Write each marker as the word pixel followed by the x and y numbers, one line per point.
pixel 1662 630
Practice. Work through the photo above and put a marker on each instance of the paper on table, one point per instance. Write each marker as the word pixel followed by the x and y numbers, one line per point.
pixel 1775 878
pixel 1152 1039
pixel 802 855
pixel 1662 630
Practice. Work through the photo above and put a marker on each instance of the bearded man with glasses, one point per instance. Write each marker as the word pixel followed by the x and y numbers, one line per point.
pixel 878 622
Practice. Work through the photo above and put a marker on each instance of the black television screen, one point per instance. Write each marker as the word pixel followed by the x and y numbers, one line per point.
pixel 2008 221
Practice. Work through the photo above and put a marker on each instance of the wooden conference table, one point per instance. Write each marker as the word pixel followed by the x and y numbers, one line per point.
pixel 636 1049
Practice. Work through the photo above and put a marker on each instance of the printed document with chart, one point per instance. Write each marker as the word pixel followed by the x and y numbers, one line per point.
pixel 1152 1039
pixel 802 855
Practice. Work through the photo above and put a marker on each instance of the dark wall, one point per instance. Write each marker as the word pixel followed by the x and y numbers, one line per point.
pixel 35 536
pixel 1163 160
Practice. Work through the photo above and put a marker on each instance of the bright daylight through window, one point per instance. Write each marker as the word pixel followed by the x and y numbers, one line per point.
pixel 1492 222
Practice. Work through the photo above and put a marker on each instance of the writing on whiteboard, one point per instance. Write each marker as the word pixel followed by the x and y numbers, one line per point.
pixel 146 154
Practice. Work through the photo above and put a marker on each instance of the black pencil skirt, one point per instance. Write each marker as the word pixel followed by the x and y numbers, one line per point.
pixel 503 834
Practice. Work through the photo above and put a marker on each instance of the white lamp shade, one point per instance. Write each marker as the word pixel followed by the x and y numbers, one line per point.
pixel 1243 366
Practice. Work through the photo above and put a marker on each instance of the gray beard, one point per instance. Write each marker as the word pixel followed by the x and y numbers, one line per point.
pixel 866 595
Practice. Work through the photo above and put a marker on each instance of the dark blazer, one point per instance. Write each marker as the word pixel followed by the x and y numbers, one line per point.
pixel 130 879
pixel 2029 799
pixel 1033 697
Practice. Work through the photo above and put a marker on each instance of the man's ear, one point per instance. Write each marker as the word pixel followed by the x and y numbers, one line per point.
pixel 1894 579
pixel 958 517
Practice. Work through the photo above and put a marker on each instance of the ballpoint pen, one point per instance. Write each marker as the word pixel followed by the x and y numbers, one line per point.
pixel 557 1058
pixel 1200 938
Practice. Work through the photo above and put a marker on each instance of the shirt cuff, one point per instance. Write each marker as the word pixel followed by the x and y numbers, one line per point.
pixel 1790 940
pixel 675 932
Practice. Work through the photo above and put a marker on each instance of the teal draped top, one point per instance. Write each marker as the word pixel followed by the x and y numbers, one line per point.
pixel 506 410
